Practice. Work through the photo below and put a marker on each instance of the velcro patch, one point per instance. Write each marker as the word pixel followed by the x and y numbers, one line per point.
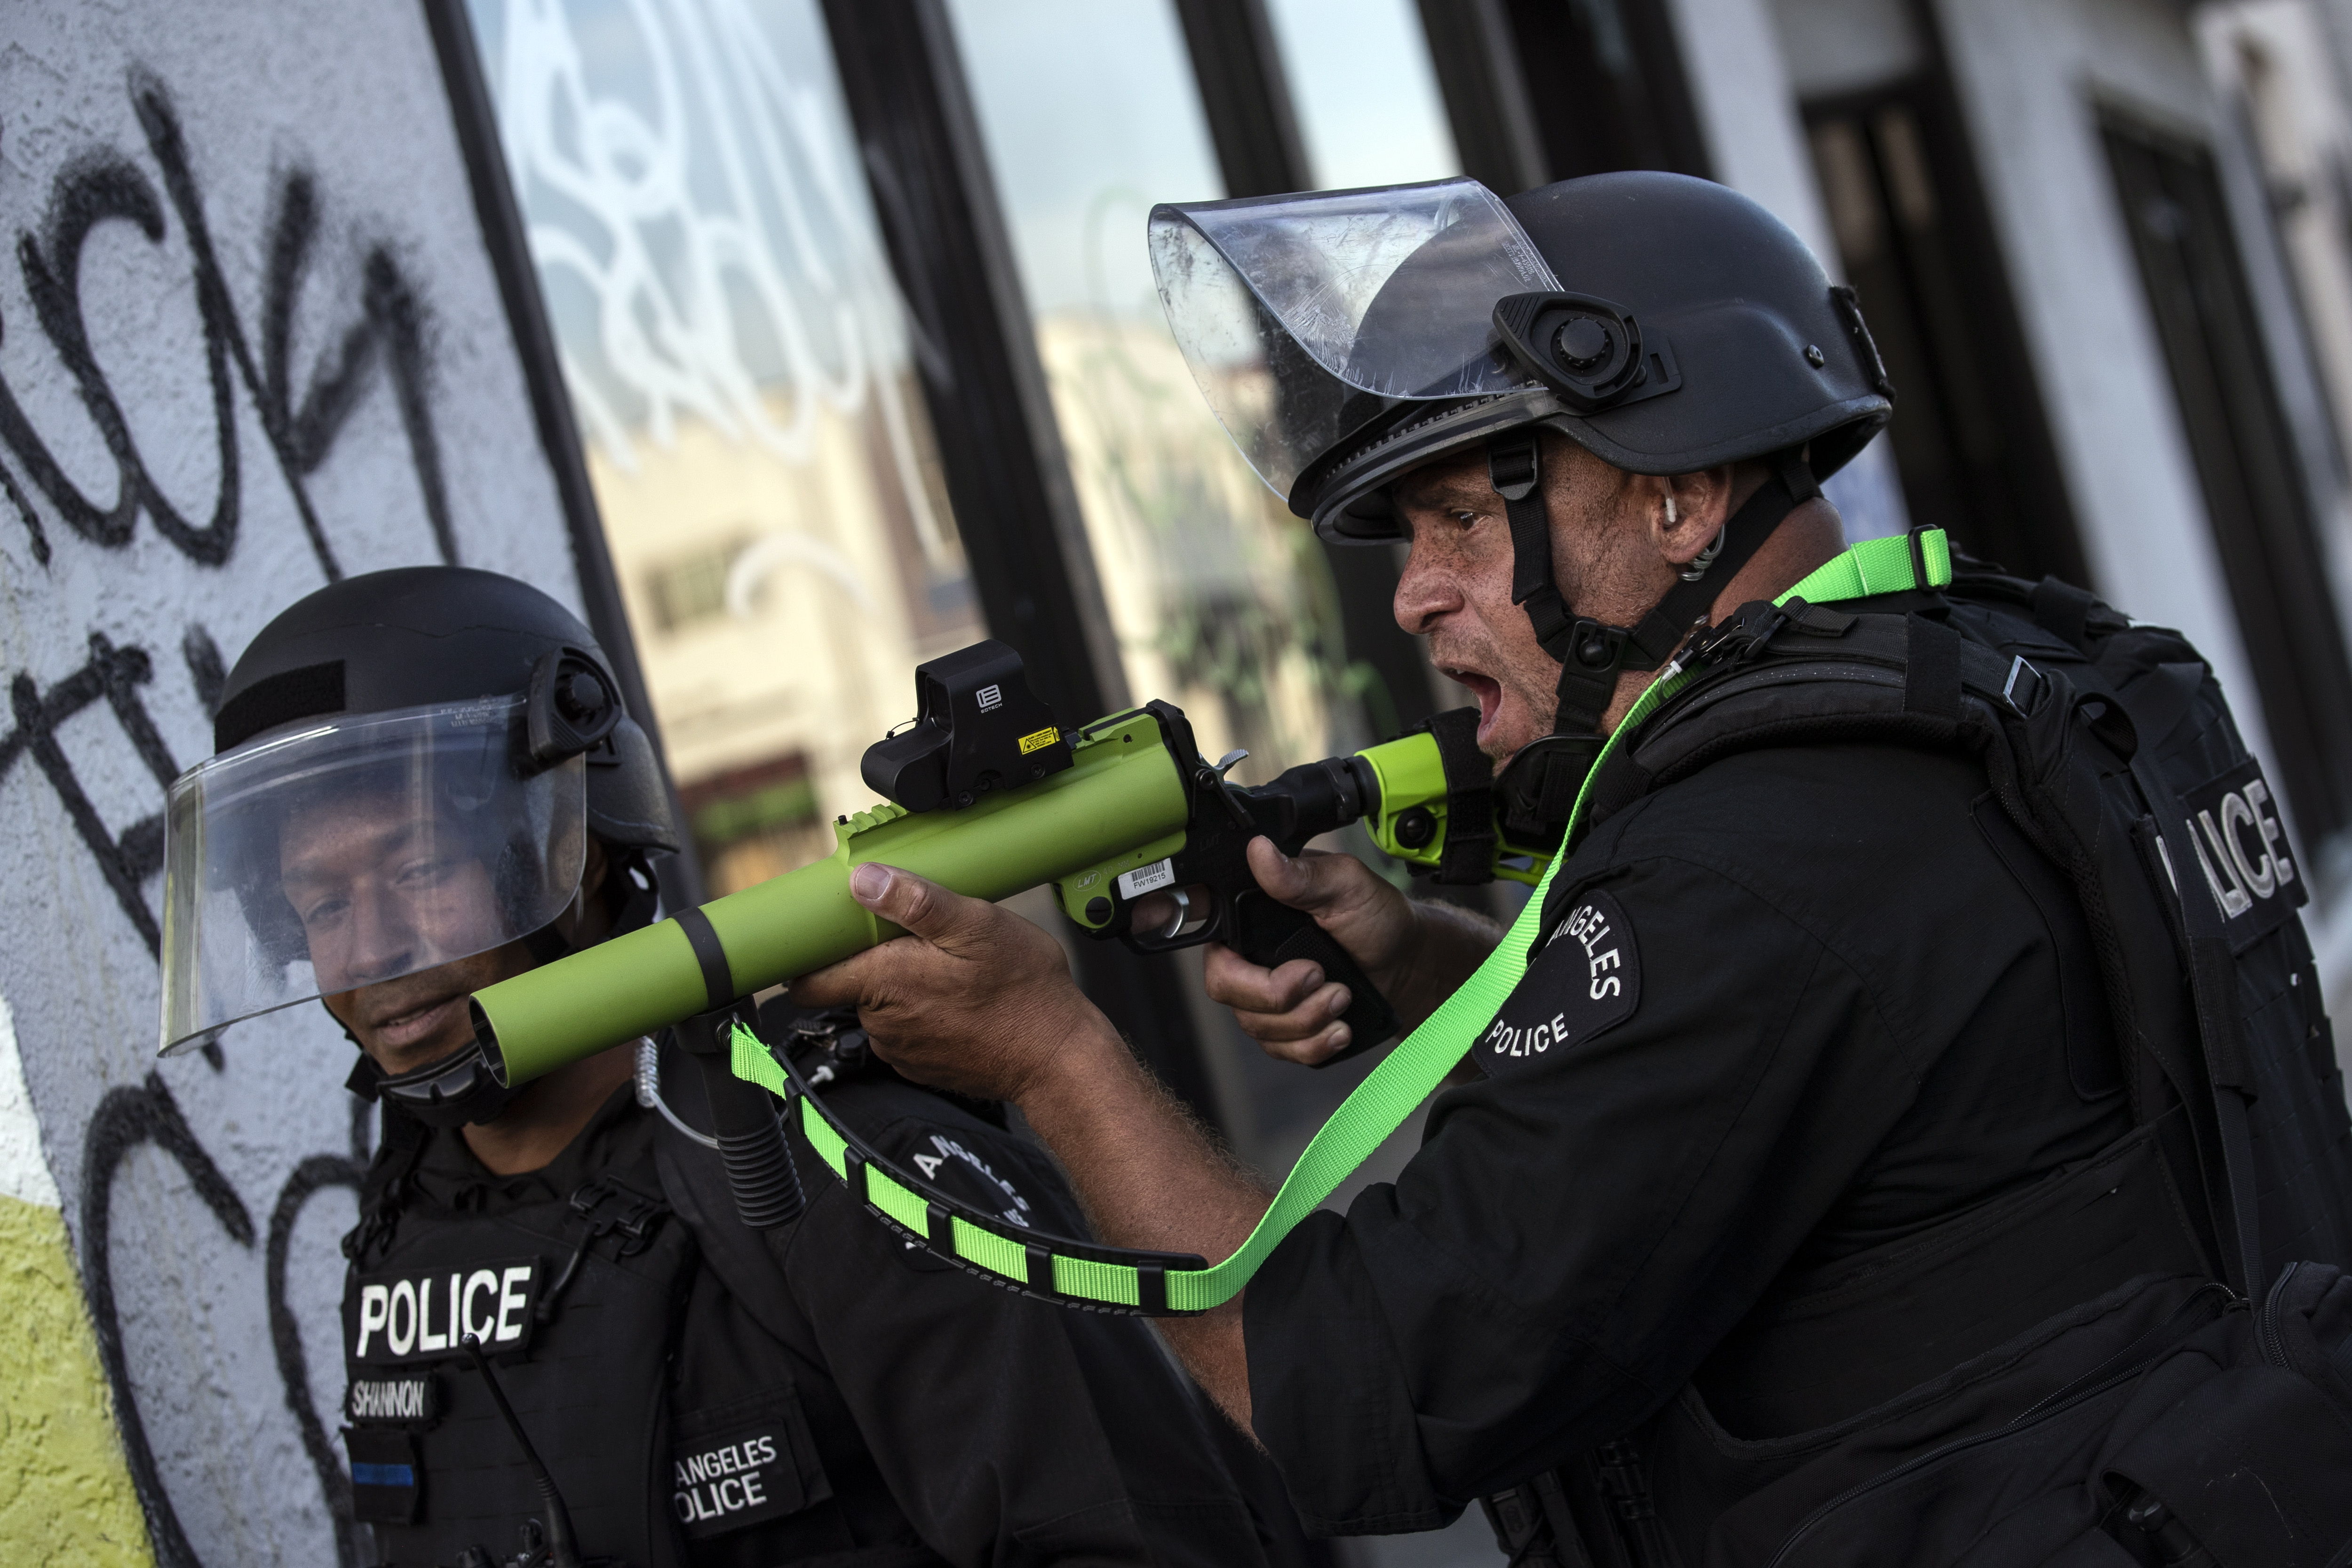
pixel 387 1483
pixel 392 1402
pixel 404 1318
pixel 739 1465
pixel 1585 979
pixel 2240 854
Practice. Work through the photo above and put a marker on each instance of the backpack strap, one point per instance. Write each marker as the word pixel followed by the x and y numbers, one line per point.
pixel 2213 988
pixel 2065 611
pixel 1468 857
pixel 1913 679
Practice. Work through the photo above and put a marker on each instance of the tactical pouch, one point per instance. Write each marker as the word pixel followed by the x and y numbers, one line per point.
pixel 2223 1436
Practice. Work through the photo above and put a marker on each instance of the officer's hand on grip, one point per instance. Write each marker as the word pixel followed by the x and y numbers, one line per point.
pixel 1414 953
pixel 974 1000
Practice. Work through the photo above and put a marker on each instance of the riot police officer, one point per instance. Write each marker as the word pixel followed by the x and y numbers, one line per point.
pixel 1806 1136
pixel 427 781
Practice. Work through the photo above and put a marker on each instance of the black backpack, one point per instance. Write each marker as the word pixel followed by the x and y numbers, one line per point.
pixel 2169 1422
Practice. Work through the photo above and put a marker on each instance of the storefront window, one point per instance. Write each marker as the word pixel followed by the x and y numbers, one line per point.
pixel 1364 92
pixel 738 362
pixel 1221 599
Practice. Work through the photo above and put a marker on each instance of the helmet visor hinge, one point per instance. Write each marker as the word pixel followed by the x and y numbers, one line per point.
pixel 573 706
pixel 1589 351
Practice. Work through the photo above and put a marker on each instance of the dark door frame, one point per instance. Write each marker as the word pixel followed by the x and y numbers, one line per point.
pixel 1246 98
pixel 1538 91
pixel 1001 451
pixel 476 120
pixel 1957 297
pixel 2172 207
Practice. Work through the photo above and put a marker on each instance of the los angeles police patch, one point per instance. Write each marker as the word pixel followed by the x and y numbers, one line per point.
pixel 1587 978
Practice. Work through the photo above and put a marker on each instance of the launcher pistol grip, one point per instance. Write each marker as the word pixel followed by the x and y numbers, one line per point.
pixel 1199 887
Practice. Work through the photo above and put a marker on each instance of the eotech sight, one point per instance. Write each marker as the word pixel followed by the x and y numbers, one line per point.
pixel 989 798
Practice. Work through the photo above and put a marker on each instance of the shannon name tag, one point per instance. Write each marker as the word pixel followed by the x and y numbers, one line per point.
pixel 412 1401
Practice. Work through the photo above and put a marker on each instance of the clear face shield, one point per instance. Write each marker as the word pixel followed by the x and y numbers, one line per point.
pixel 356 850
pixel 1299 315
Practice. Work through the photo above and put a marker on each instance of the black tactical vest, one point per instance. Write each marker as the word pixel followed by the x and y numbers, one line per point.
pixel 575 1297
pixel 578 1280
pixel 2109 745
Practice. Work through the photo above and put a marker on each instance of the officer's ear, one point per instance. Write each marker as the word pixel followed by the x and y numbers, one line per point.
pixel 1686 511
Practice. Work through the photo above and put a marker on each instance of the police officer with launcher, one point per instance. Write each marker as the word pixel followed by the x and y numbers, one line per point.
pixel 574 1332
pixel 1838 1100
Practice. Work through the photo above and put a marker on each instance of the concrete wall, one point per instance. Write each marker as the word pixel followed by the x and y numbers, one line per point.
pixel 1747 101
pixel 2031 75
pixel 252 340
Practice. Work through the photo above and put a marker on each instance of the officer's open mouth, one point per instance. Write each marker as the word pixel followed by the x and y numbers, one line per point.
pixel 1486 688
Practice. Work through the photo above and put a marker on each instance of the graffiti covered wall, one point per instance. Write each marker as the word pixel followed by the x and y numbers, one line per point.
pixel 250 341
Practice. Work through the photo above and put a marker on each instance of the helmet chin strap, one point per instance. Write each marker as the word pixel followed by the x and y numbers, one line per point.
pixel 460 1087
pixel 1537 789
pixel 457 1088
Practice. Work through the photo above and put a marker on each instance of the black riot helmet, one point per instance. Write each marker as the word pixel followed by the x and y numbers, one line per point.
pixel 460 733
pixel 1663 323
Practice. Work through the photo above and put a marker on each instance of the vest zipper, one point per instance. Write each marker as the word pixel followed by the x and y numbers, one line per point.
pixel 2267 1337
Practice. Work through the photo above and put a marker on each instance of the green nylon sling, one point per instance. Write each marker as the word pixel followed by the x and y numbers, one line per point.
pixel 1410 1072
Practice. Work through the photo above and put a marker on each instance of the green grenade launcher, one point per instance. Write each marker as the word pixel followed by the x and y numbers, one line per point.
pixel 985 795
pixel 1143 839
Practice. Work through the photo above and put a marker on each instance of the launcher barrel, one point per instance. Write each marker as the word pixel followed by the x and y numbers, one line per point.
pixel 1123 792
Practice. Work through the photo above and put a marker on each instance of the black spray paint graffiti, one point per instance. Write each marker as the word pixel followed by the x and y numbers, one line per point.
pixel 114 675
pixel 386 338
pixel 126 1119
pixel 102 186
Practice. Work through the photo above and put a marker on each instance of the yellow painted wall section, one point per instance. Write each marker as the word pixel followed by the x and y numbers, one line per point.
pixel 65 1492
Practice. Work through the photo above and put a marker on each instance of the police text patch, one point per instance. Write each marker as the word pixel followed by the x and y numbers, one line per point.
pixel 404 1318
pixel 392 1401
pixel 1585 979
pixel 2240 854
pixel 738 1466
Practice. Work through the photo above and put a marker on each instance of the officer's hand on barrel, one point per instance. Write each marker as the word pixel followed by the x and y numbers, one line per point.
pixel 1292 1010
pixel 974 1000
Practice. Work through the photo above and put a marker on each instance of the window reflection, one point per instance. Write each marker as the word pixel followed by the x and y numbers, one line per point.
pixel 1222 600
pixel 1364 92
pixel 1219 598
pixel 739 365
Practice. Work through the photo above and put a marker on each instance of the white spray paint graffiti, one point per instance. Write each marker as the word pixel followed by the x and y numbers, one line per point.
pixel 700 200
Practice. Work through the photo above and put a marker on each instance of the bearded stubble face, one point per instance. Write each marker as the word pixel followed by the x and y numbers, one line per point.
pixel 1457 587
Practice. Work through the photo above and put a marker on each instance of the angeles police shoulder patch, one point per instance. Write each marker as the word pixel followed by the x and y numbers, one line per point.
pixel 1585 979
pixel 945 1158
